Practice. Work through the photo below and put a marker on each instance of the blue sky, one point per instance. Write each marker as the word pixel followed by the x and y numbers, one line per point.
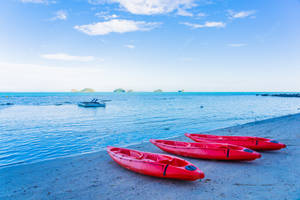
pixel 196 45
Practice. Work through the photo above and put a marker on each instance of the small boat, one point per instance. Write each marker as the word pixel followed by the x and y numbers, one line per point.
pixel 6 104
pixel 254 143
pixel 215 151
pixel 93 103
pixel 153 164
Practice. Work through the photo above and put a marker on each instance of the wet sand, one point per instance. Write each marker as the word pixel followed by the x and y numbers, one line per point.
pixel 95 176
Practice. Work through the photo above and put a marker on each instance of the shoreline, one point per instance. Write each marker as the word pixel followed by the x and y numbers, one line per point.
pixel 138 143
pixel 96 176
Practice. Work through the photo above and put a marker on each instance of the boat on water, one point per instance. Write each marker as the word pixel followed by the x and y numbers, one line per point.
pixel 215 151
pixel 93 103
pixel 254 143
pixel 153 164
pixel 6 104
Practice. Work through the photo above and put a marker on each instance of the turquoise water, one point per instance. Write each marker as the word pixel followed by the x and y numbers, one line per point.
pixel 37 127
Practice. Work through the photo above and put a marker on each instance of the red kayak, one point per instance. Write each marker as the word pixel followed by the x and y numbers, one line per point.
pixel 215 151
pixel 153 164
pixel 255 143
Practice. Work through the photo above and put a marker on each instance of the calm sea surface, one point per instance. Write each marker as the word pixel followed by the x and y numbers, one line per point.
pixel 37 127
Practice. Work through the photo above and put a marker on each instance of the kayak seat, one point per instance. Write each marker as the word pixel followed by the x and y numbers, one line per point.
pixel 136 155
pixel 151 157
pixel 127 153
pixel 174 162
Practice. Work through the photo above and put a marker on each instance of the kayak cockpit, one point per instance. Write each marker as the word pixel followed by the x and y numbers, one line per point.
pixel 127 153
pixel 226 138
pixel 174 162
pixel 171 143
pixel 168 160
pixel 149 157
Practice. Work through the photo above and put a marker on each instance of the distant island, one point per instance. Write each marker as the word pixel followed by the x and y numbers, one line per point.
pixel 83 90
pixel 158 90
pixel 130 90
pixel 280 95
pixel 119 90
pixel 87 90
pixel 74 90
pixel 181 90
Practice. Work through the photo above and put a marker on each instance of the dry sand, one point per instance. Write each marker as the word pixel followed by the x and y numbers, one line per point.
pixel 95 176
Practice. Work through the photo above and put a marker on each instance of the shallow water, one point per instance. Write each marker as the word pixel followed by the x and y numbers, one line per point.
pixel 37 127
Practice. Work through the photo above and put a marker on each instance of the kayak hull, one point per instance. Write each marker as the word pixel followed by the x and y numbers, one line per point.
pixel 254 143
pixel 214 151
pixel 157 165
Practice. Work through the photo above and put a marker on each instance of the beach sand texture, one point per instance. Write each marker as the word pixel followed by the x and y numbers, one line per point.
pixel 95 176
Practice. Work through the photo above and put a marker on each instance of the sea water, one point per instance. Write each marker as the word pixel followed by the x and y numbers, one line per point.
pixel 40 126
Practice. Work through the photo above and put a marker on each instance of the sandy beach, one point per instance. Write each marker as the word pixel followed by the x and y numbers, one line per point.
pixel 96 176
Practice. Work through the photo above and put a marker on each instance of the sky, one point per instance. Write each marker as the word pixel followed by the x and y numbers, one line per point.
pixel 195 45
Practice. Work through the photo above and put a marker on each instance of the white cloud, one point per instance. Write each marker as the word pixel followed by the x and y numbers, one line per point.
pixel 237 45
pixel 149 7
pixel 38 1
pixel 106 16
pixel 201 14
pixel 206 25
pixel 60 15
pixel 66 57
pixel 130 46
pixel 96 2
pixel 241 14
pixel 117 26
pixel 183 12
